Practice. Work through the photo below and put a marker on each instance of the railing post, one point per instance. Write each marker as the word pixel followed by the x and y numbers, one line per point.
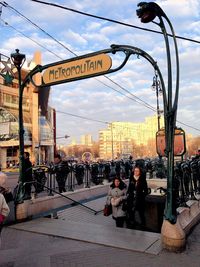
pixel 50 184
pixel 87 170
pixel 71 178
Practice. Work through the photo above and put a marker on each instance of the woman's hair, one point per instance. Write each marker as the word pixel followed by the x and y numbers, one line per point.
pixel 142 172
pixel 122 185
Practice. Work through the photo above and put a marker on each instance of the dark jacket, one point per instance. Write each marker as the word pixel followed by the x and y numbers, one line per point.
pixel 136 193
pixel 61 169
pixel 27 170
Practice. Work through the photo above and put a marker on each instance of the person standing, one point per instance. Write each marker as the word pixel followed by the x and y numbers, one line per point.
pixel 4 190
pixel 116 197
pixel 28 178
pixel 136 194
pixel 4 211
pixel 61 170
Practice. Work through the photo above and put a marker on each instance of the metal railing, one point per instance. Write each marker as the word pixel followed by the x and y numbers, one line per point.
pixel 62 195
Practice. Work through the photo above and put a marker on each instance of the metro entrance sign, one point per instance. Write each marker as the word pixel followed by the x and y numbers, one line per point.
pixel 77 69
pixel 87 66
pixel 91 65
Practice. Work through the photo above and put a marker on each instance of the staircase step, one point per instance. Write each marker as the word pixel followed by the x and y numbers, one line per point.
pixel 99 234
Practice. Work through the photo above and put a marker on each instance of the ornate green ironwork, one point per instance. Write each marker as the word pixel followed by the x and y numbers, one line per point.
pixel 126 49
pixel 6 70
pixel 147 12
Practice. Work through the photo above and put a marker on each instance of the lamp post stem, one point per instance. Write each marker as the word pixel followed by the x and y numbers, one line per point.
pixel 21 141
pixel 170 122
pixel 158 108
pixel 112 141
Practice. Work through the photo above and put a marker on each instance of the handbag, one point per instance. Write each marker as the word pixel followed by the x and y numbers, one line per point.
pixel 124 205
pixel 107 210
pixel 2 218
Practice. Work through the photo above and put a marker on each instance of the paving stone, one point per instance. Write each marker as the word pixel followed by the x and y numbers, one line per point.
pixel 24 248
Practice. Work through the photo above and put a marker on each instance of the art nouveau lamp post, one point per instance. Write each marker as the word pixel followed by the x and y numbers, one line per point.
pixel 147 12
pixel 18 60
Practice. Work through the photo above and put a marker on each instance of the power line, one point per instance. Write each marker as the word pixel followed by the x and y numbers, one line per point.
pixel 104 122
pixel 143 102
pixel 6 23
pixel 147 105
pixel 112 20
pixel 136 99
pixel 89 119
pixel 125 24
pixel 194 128
pixel 36 26
pixel 82 117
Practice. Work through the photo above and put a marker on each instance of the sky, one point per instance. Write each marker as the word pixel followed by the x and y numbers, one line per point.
pixel 124 95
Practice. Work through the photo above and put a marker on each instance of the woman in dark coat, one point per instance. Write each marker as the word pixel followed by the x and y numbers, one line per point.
pixel 136 193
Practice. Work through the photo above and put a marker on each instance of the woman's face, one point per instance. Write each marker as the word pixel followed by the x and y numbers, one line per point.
pixel 137 172
pixel 116 182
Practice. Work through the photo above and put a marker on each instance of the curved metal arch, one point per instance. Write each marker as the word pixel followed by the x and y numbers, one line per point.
pixel 142 53
pixel 126 49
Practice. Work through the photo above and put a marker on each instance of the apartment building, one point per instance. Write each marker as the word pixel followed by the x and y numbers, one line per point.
pixel 118 139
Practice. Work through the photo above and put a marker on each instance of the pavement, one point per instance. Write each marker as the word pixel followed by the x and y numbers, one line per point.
pixel 79 238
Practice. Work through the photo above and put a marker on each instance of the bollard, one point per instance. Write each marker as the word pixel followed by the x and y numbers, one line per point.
pixel 173 236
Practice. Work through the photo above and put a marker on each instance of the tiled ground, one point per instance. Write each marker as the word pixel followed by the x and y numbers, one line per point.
pixel 24 248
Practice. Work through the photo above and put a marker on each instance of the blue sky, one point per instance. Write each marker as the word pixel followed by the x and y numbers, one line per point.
pixel 81 34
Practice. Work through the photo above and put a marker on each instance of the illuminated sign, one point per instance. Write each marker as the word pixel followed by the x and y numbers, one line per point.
pixel 179 142
pixel 75 69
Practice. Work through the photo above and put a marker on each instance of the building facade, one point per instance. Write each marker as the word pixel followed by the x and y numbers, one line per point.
pixel 117 141
pixel 86 140
pixel 38 118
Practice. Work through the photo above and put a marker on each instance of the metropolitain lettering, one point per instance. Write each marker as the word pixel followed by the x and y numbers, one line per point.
pixel 88 66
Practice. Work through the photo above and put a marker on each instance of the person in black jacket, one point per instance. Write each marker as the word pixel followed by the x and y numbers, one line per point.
pixel 136 193
pixel 27 175
pixel 62 170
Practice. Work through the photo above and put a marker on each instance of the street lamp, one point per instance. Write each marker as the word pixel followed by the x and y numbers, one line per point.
pixel 65 136
pixel 112 145
pixel 147 12
pixel 18 60
pixel 61 137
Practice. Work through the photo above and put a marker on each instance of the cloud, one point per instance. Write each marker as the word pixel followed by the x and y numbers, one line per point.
pixel 75 38
pixel 178 9
pixel 82 35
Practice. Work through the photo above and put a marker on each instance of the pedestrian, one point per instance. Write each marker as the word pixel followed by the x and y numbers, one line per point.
pixel 4 211
pixel 6 191
pixel 112 173
pixel 116 197
pixel 136 194
pixel 61 169
pixel 28 178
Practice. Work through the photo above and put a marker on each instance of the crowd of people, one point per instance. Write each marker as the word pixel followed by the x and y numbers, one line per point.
pixel 127 191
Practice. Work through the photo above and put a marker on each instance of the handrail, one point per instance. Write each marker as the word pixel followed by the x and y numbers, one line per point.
pixel 69 198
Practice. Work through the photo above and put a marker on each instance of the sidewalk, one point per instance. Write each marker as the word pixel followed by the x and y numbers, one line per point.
pixel 80 238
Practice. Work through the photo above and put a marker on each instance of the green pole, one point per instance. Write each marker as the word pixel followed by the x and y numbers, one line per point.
pixel 147 12
pixel 18 60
